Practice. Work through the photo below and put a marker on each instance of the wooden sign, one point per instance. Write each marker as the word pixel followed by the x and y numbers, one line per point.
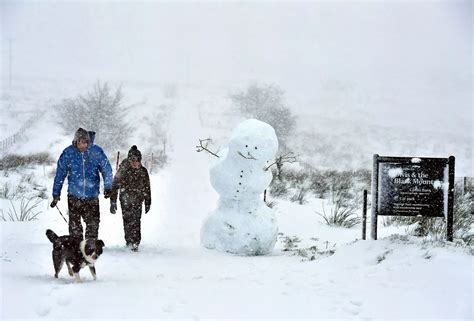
pixel 412 186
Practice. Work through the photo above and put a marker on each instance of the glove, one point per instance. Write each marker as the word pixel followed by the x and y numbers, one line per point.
pixel 147 208
pixel 113 207
pixel 55 201
pixel 107 193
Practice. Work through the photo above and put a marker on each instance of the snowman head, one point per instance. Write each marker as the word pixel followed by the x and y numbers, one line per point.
pixel 253 141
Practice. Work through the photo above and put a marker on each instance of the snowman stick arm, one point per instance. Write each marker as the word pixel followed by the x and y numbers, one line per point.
pixel 202 147
pixel 289 158
pixel 267 167
pixel 285 158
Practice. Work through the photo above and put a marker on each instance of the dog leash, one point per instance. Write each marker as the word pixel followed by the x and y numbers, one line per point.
pixel 62 214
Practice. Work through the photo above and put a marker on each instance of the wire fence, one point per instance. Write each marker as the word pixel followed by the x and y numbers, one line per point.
pixel 8 142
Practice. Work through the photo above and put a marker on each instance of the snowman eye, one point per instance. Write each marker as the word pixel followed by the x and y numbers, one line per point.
pixel 255 147
pixel 246 145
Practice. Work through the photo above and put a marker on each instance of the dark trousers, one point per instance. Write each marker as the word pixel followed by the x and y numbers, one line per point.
pixel 132 214
pixel 88 210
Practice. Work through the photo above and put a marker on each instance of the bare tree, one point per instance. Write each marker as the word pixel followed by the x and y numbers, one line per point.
pixel 280 160
pixel 266 102
pixel 99 110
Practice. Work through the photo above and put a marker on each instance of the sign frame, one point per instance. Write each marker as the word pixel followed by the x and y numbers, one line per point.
pixel 420 161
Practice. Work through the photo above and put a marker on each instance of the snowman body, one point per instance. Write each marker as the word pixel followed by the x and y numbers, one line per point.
pixel 242 223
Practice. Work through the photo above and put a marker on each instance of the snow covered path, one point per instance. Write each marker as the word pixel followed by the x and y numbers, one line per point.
pixel 189 195
pixel 365 279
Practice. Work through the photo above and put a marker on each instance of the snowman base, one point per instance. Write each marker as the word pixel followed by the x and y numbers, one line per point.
pixel 242 231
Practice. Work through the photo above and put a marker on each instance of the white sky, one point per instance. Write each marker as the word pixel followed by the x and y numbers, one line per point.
pixel 406 56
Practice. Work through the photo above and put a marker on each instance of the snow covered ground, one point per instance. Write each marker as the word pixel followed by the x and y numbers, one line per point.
pixel 396 277
pixel 389 278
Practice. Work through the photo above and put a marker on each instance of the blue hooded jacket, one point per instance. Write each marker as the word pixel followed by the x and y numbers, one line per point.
pixel 82 171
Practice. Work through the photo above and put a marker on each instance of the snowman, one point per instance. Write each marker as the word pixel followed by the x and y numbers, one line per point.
pixel 242 223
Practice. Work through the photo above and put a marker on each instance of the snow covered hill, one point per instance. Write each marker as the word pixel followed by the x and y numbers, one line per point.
pixel 173 277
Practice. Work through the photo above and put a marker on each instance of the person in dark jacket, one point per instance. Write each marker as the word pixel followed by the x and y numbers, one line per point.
pixel 81 163
pixel 133 183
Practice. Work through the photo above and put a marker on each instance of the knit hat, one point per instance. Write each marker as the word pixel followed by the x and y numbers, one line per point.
pixel 134 154
pixel 80 134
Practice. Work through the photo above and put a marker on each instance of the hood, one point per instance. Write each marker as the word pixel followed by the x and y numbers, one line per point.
pixel 81 133
pixel 92 136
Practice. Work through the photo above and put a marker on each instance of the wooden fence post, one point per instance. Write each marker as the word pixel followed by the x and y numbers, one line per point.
pixel 450 221
pixel 375 183
pixel 364 216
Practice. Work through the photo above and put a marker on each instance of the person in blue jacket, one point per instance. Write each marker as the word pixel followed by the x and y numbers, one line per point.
pixel 81 163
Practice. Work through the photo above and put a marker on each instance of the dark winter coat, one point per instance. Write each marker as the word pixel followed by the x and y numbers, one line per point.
pixel 133 184
pixel 82 171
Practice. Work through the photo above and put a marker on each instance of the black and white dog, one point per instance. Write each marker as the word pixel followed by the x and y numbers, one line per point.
pixel 75 252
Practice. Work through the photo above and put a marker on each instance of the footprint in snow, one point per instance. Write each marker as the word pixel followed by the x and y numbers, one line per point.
pixel 351 310
pixel 43 311
pixel 168 308
pixel 63 300
pixel 47 291
pixel 356 303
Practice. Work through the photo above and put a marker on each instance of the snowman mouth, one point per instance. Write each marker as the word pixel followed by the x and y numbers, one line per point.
pixel 246 157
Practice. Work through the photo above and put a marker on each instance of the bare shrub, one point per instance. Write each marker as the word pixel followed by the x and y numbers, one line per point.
pixel 321 182
pixel 300 195
pixel 27 187
pixel 296 178
pixel 13 160
pixel 463 221
pixel 157 122
pixel 155 160
pixel 319 186
pixel 463 225
pixel 278 188
pixel 342 213
pixel 435 227
pixel 6 190
pixel 271 204
pixel 289 243
pixel 27 211
pixel 364 176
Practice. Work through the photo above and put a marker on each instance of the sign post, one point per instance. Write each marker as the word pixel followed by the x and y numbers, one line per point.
pixel 364 215
pixel 413 186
